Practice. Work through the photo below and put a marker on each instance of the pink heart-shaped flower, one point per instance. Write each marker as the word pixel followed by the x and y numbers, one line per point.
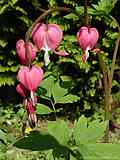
pixel 87 37
pixel 50 35
pixel 30 78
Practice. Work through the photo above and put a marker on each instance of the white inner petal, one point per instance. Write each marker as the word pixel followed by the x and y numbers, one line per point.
pixel 32 97
pixel 46 55
pixel 46 58
pixel 87 52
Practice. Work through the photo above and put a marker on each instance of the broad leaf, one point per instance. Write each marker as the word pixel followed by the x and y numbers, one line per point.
pixel 88 133
pixel 100 151
pixel 58 91
pixel 59 130
pixel 48 84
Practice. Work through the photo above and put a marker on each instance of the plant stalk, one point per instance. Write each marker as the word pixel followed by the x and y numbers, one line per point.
pixel 107 80
pixel 86 13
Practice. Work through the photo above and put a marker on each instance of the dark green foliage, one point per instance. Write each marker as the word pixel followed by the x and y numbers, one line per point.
pixel 82 79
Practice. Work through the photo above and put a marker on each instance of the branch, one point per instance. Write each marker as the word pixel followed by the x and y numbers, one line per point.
pixel 114 57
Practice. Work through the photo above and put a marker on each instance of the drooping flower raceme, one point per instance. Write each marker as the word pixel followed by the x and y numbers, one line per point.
pixel 87 38
pixel 47 38
pixel 21 49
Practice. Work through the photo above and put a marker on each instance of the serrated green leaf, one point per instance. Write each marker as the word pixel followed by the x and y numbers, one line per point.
pixel 6 79
pixel 104 7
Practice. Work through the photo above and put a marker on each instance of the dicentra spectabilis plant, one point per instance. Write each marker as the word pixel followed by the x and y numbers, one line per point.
pixel 47 37
pixel 87 38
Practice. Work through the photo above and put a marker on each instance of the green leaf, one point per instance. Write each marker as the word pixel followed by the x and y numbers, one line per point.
pixel 104 7
pixel 6 79
pixel 58 91
pixel 70 38
pixel 100 151
pixel 3 9
pixel 43 109
pixel 54 89
pixel 48 84
pixel 68 99
pixel 71 16
pixel 88 133
pixel 3 136
pixel 21 10
pixel 59 130
pixel 14 1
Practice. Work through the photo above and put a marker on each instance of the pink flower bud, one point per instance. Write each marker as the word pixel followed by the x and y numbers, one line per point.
pixel 21 51
pixel 30 78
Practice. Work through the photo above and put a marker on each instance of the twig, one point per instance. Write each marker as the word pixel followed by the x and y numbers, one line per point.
pixel 40 9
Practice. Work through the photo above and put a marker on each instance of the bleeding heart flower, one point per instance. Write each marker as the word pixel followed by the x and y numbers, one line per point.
pixel 21 47
pixel 21 90
pixel 87 38
pixel 31 113
pixel 30 108
pixel 30 78
pixel 48 38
